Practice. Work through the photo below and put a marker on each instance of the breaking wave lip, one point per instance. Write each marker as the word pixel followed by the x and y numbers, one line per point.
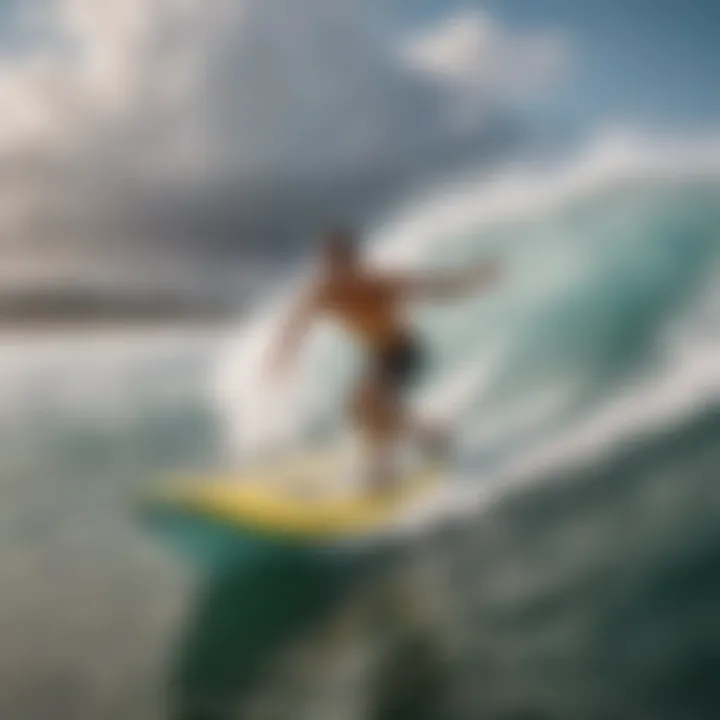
pixel 525 195
pixel 527 192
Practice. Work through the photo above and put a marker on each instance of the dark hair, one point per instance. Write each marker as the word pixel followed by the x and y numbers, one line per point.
pixel 340 243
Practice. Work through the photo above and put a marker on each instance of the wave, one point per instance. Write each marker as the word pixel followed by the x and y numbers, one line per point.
pixel 611 258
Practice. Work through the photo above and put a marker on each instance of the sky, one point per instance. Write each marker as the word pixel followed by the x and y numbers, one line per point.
pixel 162 141
pixel 653 62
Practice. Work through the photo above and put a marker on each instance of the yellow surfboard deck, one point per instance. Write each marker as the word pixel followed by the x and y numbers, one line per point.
pixel 301 497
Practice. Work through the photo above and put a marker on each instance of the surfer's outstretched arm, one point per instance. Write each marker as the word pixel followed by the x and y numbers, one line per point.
pixel 451 285
pixel 292 332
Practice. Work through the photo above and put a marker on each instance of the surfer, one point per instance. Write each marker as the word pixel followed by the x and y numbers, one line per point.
pixel 372 306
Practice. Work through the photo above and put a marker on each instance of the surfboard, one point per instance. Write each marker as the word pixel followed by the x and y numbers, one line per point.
pixel 301 500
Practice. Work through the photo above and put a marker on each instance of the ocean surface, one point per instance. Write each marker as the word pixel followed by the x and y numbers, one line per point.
pixel 584 580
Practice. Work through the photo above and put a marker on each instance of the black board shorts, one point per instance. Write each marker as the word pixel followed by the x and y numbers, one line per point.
pixel 400 364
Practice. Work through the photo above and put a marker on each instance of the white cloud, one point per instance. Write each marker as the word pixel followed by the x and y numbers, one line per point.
pixel 483 64
pixel 474 52
pixel 166 93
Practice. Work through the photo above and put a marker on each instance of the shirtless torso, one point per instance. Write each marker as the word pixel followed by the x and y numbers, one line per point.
pixel 369 307
pixel 372 307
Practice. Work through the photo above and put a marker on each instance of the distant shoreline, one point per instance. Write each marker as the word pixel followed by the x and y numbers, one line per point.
pixel 76 309
pixel 39 325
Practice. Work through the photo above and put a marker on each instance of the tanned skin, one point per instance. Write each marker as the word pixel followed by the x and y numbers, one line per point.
pixel 373 306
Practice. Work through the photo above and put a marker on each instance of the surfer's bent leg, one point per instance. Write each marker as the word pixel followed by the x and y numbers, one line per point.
pixel 377 415
pixel 378 410
pixel 401 367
